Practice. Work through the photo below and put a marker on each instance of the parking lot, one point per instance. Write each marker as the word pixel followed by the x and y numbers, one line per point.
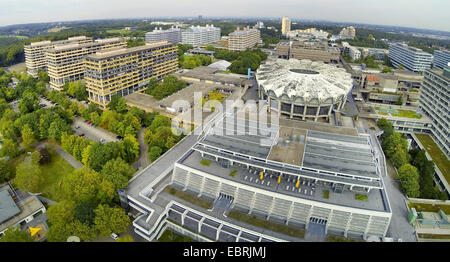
pixel 93 133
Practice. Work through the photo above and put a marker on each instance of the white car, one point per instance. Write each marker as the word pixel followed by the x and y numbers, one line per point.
pixel 114 236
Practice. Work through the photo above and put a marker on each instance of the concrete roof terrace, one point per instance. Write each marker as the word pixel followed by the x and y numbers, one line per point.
pixel 347 198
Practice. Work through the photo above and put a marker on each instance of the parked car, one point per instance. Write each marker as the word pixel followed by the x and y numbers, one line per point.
pixel 77 127
pixel 82 134
pixel 119 137
pixel 86 121
pixel 92 124
pixel 89 122
pixel 102 140
pixel 114 236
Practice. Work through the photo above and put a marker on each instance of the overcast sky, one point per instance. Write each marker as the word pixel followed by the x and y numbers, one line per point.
pixel 430 14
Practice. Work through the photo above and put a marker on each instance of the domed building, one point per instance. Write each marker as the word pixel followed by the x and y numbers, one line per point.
pixel 302 89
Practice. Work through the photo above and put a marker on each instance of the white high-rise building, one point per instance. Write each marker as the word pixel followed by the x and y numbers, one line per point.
pixel 285 25
pixel 197 35
pixel 434 101
pixel 441 58
pixel 172 35
pixel 411 58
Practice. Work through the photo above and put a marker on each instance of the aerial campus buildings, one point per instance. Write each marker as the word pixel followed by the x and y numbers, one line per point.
pixel 294 173
pixel 435 100
pixel 35 52
pixel 441 58
pixel 198 35
pixel 302 89
pixel 317 50
pixel 285 25
pixel 65 63
pixel 411 58
pixel 64 60
pixel 241 40
pixel 127 70
pixel 172 35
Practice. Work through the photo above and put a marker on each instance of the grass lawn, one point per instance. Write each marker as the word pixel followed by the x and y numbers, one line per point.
pixel 205 162
pixel 326 194
pixel 436 154
pixel 53 173
pixel 170 236
pixel 407 113
pixel 361 197
pixel 341 239
pixel 233 173
pixel 188 197
pixel 430 207
pixel 258 222
pixel 434 236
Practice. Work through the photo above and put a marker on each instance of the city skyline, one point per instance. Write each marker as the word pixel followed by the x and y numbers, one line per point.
pixel 415 14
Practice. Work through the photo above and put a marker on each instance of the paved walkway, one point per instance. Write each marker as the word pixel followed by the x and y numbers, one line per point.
pixel 143 160
pixel 68 157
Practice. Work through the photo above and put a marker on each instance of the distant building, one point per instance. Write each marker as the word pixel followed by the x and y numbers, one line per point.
pixel 441 58
pixel 434 101
pixel 221 65
pixel 310 32
pixel 199 51
pixel 411 58
pixel 259 25
pixel 35 52
pixel 312 50
pixel 285 25
pixel 172 35
pixel 197 35
pixel 348 32
pixel 352 51
pixel 127 70
pixel 17 210
pixel 240 40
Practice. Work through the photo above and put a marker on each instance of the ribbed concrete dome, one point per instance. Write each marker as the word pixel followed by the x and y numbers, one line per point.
pixel 304 79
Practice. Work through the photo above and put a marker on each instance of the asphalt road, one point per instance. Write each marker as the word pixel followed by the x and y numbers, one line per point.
pixel 93 133
pixel 143 160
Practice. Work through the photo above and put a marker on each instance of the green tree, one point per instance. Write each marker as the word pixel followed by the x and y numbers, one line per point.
pixel 43 76
pixel 158 121
pixel 118 172
pixel 84 212
pixel 82 185
pixel 155 152
pixel 387 69
pixel 28 177
pixel 62 212
pixel 27 137
pixel 110 220
pixel 118 104
pixel 409 180
pixel 29 102
pixel 36 157
pixel 386 126
pixel 16 235
pixel 57 128
pixel 9 148
pixel 390 144
pixel 130 148
pixel 5 171
pixel 400 156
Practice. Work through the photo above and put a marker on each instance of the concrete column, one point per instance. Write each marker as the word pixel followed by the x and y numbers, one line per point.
pixel 290 213
pixel 367 228
pixel 238 236
pixel 188 176
pixel 218 231
pixel 182 216
pixel 304 112
pixel 252 203
pixel 292 110
pixel 202 187
pixel 271 208
pixel 348 225
pixel 269 103
pixel 200 223
pixel 329 110
pixel 317 114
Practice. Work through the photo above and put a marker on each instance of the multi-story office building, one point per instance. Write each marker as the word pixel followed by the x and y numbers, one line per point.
pixel 259 25
pixel 127 70
pixel 198 35
pixel 411 58
pixel 353 52
pixel 315 51
pixel 172 35
pixel 35 52
pixel 65 63
pixel 278 172
pixel 441 58
pixel 285 25
pixel 435 103
pixel 240 40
